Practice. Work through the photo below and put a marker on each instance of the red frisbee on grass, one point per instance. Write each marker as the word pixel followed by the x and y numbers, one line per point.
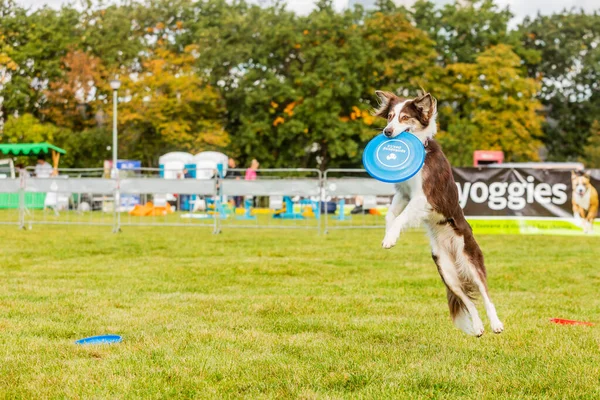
pixel 561 321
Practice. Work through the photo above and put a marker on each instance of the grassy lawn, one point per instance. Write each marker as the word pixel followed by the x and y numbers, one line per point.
pixel 287 314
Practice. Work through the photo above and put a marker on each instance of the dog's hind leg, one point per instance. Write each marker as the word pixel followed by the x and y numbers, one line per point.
pixel 490 309
pixel 478 276
pixel 462 309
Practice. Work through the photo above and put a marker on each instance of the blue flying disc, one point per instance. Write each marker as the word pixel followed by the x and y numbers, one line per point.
pixel 394 160
pixel 102 339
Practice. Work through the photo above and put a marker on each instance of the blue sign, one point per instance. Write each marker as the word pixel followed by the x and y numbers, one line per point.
pixel 129 164
pixel 394 160
pixel 129 168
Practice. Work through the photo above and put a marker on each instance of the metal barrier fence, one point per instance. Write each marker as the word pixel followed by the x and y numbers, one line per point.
pixel 279 199
pixel 147 199
pixel 353 200
pixel 11 201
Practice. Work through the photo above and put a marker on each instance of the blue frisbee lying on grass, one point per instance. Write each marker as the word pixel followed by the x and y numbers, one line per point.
pixel 394 160
pixel 101 339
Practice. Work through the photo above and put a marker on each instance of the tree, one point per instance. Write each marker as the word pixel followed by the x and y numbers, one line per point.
pixel 488 105
pixel 403 57
pixel 570 74
pixel 464 29
pixel 76 99
pixel 167 106
pixel 28 129
pixel 38 41
pixel 86 149
pixel 297 95
pixel 7 68
pixel 302 88
pixel 591 151
pixel 113 34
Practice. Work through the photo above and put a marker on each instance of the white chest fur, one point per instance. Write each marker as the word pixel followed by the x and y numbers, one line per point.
pixel 411 188
pixel 583 201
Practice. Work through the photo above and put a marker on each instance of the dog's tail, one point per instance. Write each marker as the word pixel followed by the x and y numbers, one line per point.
pixel 458 311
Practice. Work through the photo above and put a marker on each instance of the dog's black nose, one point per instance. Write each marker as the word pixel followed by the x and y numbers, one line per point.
pixel 388 131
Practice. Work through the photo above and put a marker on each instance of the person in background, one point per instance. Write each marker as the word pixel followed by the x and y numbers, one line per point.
pixel 358 205
pixel 237 200
pixel 251 176
pixel 43 169
pixel 22 171
pixel 183 174
pixel 251 172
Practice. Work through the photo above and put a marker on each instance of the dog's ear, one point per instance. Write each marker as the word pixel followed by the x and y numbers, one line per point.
pixel 426 104
pixel 587 174
pixel 385 101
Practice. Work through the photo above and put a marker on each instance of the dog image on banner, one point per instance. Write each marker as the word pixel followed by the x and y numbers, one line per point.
pixel 585 200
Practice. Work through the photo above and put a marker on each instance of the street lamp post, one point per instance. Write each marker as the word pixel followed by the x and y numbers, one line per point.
pixel 115 84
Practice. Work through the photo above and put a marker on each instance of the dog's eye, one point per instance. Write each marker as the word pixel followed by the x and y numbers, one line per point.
pixel 390 116
pixel 404 118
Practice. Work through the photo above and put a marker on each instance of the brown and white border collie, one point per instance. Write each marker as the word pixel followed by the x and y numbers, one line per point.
pixel 431 197
pixel 584 200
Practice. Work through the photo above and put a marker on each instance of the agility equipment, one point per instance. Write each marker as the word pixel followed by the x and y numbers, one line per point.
pixel 287 212
pixel 247 211
pixel 310 208
pixel 150 210
pixel 341 214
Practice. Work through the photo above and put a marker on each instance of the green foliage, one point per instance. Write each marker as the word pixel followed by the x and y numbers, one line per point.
pixel 570 71
pixel 38 40
pixel 308 83
pixel 168 107
pixel 28 129
pixel 496 108
pixel 591 151
pixel 464 29
pixel 403 57
pixel 86 149
pixel 112 34
pixel 297 90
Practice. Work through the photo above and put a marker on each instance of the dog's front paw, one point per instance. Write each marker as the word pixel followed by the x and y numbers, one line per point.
pixel 389 241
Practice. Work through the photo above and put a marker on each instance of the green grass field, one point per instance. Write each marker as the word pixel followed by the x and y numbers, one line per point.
pixel 287 314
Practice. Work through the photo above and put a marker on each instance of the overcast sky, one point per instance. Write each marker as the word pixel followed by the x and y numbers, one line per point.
pixel 520 8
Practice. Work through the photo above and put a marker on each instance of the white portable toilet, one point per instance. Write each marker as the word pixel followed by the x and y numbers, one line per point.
pixel 206 164
pixel 171 167
pixel 172 164
pixel 206 168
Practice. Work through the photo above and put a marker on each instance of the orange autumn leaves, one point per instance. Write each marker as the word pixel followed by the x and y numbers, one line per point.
pixel 165 100
pixel 354 115
pixel 170 99
pixel 358 114
pixel 288 110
